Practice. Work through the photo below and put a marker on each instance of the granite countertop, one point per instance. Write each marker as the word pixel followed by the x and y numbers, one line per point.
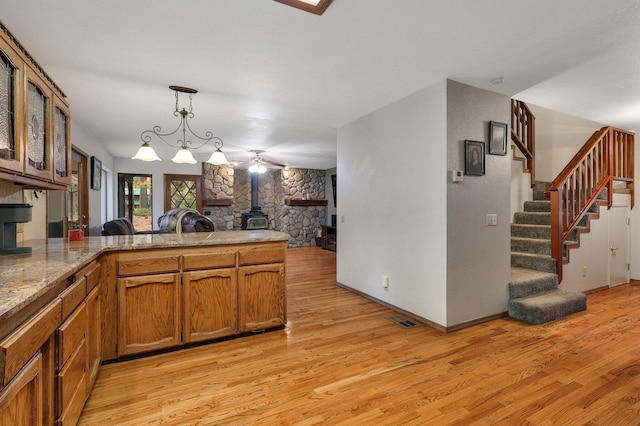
pixel 25 277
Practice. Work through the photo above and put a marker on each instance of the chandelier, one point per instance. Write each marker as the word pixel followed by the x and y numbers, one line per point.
pixel 146 152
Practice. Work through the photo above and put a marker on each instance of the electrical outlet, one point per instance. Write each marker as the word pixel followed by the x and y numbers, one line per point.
pixel 584 271
pixel 341 218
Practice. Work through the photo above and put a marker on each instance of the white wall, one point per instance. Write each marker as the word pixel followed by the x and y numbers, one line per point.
pixel 593 253
pixel 521 190
pixel 559 136
pixel 478 256
pixel 391 193
pixel 157 170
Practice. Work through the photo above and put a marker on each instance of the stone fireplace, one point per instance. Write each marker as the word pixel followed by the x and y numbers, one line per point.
pixel 228 196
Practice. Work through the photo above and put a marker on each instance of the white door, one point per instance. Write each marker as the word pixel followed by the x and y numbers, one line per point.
pixel 618 244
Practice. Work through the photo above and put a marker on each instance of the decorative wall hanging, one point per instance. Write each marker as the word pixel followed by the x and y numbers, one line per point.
pixel 497 138
pixel 474 158
pixel 96 174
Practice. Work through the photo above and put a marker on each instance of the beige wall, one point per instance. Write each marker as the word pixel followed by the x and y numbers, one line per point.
pixel 478 256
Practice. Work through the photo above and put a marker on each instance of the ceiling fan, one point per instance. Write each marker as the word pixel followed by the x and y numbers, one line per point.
pixel 258 164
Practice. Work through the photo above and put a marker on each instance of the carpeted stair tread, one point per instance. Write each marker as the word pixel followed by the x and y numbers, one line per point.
pixel 548 306
pixel 531 231
pixel 531 245
pixel 532 218
pixel 537 206
pixel 526 282
pixel 539 262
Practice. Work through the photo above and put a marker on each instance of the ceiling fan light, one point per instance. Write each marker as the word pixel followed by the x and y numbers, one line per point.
pixel 257 168
pixel 217 158
pixel 184 156
pixel 146 153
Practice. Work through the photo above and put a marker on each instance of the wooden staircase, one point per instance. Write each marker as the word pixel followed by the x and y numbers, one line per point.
pixel 550 226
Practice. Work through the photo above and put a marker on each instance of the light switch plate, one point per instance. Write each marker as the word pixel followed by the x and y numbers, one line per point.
pixel 492 220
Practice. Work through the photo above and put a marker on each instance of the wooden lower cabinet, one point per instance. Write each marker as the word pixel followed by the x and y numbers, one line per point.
pixel 210 304
pixel 261 296
pixel 148 313
pixel 21 401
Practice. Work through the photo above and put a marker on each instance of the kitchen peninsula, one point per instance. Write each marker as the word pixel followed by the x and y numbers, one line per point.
pixel 71 304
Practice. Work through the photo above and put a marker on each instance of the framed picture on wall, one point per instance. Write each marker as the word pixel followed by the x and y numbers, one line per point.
pixel 474 158
pixel 96 174
pixel 497 138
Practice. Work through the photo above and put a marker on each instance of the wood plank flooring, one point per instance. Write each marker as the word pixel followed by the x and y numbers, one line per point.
pixel 340 361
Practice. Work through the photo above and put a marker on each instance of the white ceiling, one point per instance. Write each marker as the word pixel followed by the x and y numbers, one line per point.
pixel 275 78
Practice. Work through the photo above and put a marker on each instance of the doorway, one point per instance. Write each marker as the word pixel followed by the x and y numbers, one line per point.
pixel 619 243
pixel 135 200
pixel 70 209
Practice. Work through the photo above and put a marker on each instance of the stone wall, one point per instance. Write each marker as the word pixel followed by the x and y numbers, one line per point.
pixel 302 223
pixel 274 186
pixel 219 182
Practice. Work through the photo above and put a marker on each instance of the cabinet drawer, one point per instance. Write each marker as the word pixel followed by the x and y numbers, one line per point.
pixel 260 255
pixel 211 260
pixel 93 277
pixel 71 333
pixel 18 347
pixel 73 296
pixel 148 265
pixel 71 386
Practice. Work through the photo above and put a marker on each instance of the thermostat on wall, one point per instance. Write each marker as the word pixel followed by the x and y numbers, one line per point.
pixel 456 175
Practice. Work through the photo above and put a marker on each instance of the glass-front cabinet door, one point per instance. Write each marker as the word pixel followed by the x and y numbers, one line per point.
pixel 38 127
pixel 10 131
pixel 61 145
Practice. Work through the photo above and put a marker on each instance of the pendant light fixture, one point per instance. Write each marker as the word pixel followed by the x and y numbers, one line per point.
pixel 146 152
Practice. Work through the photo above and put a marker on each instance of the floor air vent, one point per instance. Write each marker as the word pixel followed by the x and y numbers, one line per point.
pixel 403 322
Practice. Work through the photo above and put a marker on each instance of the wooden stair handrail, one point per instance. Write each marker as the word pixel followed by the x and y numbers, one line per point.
pixel 523 135
pixel 607 156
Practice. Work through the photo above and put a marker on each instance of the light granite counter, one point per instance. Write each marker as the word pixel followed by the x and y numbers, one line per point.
pixel 26 277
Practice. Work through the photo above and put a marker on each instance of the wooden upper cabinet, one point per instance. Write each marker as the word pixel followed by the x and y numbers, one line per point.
pixel 11 101
pixel 35 136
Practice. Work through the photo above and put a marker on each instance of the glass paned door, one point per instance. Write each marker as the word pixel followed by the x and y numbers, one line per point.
pixel 183 191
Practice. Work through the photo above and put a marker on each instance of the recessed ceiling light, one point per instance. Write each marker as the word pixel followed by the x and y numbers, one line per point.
pixel 312 6
pixel 498 80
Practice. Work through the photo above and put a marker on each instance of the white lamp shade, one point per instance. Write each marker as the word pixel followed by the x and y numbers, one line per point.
pixel 217 158
pixel 146 153
pixel 184 156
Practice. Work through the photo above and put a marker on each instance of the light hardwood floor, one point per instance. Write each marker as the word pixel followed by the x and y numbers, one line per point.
pixel 340 361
